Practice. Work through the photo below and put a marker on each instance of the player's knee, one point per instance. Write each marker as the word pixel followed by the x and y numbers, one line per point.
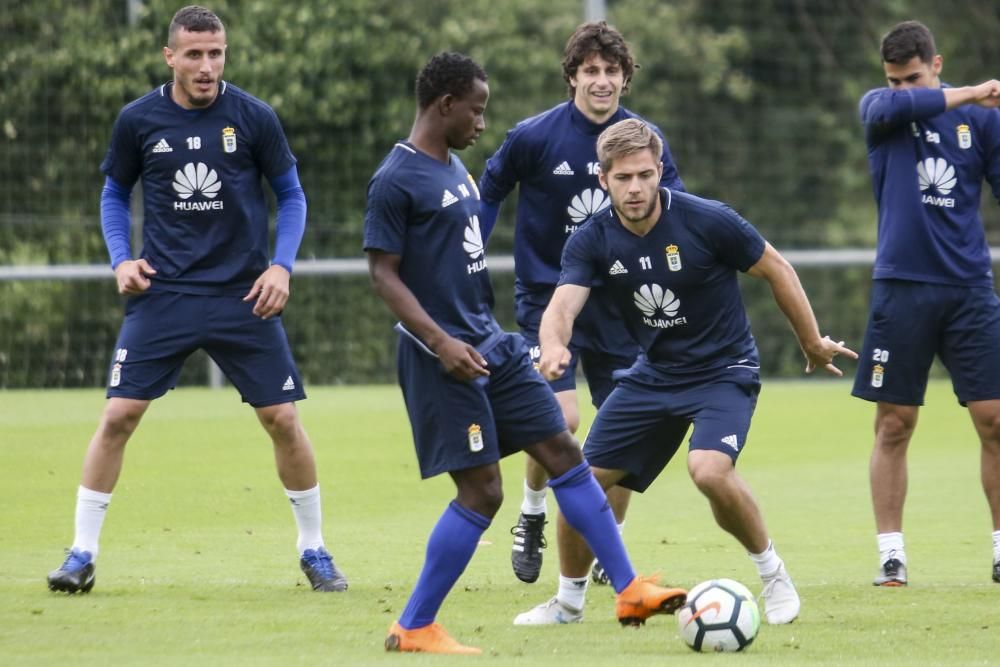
pixel 280 421
pixel 707 480
pixel 485 499
pixel 709 473
pixel 557 455
pixel 491 499
pixel 988 426
pixel 894 429
pixel 121 417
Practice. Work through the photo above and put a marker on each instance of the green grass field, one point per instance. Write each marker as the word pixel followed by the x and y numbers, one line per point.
pixel 198 564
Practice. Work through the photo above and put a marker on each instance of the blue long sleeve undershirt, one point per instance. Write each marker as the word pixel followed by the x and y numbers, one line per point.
pixel 115 221
pixel 291 218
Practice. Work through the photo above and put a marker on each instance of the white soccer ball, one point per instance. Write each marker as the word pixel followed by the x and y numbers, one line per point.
pixel 719 615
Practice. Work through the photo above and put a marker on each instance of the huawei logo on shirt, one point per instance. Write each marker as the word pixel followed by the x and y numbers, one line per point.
pixel 473 245
pixel 197 179
pixel 585 205
pixel 936 173
pixel 658 307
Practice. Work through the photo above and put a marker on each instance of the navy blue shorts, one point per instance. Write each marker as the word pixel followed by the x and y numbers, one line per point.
pixel 591 335
pixel 162 329
pixel 458 425
pixel 643 423
pixel 910 322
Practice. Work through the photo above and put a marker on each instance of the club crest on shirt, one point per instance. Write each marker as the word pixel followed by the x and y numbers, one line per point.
pixel 964 136
pixel 673 257
pixel 229 139
pixel 878 375
pixel 475 438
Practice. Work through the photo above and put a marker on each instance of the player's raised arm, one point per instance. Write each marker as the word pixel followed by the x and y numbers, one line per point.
pixel 460 359
pixel 793 302
pixel 986 94
pixel 557 328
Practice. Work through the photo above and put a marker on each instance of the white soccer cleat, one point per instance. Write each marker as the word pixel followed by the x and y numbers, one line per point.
pixel 552 612
pixel 781 600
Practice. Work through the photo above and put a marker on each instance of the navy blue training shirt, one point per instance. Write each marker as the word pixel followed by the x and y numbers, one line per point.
pixel 205 227
pixel 427 212
pixel 677 286
pixel 552 158
pixel 927 166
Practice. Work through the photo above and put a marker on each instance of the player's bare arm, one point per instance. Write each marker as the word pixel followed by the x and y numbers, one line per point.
pixel 986 94
pixel 819 350
pixel 461 360
pixel 132 276
pixel 271 290
pixel 557 328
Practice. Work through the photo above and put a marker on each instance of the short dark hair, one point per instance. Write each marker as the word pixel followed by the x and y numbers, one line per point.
pixel 625 138
pixel 906 41
pixel 447 74
pixel 193 19
pixel 597 37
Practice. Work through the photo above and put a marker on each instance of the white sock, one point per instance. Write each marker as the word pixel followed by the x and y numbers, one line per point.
pixel 996 546
pixel 621 527
pixel 534 501
pixel 572 592
pixel 890 545
pixel 767 561
pixel 91 508
pixel 308 517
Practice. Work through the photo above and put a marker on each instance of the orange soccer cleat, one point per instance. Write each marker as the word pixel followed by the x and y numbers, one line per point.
pixel 429 639
pixel 644 597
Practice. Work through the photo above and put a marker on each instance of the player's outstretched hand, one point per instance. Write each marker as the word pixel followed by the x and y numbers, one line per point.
pixel 133 276
pixel 271 290
pixel 554 362
pixel 821 355
pixel 461 360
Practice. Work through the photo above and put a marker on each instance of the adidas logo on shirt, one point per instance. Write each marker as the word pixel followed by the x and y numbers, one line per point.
pixel 563 170
pixel 290 384
pixel 162 147
pixel 447 199
pixel 617 268
pixel 732 442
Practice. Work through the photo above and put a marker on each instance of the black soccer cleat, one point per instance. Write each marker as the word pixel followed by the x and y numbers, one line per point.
pixel 529 540
pixel 323 575
pixel 996 571
pixel 75 575
pixel 892 573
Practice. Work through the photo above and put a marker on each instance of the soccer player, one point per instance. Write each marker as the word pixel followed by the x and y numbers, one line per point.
pixel 203 280
pixel 470 389
pixel 929 148
pixel 553 158
pixel 670 262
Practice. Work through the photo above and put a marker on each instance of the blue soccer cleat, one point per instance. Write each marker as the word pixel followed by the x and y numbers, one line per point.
pixel 76 574
pixel 323 575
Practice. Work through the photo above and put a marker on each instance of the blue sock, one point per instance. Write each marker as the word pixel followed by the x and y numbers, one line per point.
pixel 583 503
pixel 449 550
